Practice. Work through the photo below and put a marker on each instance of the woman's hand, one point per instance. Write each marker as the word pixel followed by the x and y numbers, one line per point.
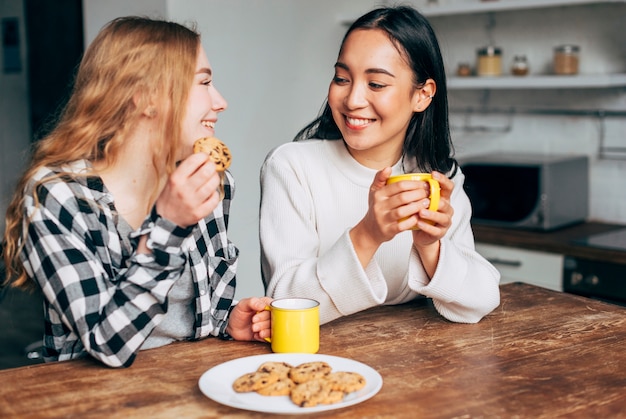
pixel 433 225
pixel 386 205
pixel 249 320
pixel 190 193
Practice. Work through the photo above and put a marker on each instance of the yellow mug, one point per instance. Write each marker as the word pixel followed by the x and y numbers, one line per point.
pixel 426 177
pixel 295 325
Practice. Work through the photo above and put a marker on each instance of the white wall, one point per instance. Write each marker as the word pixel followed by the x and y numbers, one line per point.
pixel 96 13
pixel 273 61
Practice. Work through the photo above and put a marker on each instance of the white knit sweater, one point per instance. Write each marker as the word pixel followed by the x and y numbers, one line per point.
pixel 312 193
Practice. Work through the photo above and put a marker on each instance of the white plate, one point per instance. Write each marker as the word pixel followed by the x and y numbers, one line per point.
pixel 216 383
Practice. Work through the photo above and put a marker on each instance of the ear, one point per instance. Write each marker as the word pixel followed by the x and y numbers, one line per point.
pixel 141 101
pixel 150 111
pixel 423 97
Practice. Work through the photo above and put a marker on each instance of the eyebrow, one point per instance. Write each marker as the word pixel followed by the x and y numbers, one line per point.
pixel 368 71
pixel 205 70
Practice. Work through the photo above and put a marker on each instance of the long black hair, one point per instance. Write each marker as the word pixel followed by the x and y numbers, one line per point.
pixel 427 141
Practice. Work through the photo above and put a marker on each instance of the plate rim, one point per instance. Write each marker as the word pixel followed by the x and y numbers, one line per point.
pixel 303 357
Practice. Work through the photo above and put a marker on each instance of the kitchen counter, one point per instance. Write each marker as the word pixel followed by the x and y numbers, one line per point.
pixel 559 241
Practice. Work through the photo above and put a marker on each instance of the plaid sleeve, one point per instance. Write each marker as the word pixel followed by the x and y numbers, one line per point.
pixel 215 267
pixel 105 311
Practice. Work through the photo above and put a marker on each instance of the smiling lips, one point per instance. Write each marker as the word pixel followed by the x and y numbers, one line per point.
pixel 357 123
pixel 208 124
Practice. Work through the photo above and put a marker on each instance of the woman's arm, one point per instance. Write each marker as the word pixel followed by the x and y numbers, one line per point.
pixel 73 256
pixel 465 286
pixel 293 262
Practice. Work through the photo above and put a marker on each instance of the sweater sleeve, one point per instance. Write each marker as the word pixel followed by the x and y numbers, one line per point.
pixel 465 286
pixel 292 265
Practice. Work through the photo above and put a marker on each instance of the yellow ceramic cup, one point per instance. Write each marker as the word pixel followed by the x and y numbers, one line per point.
pixel 295 325
pixel 426 177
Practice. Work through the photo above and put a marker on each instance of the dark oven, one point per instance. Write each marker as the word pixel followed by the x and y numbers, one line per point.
pixel 597 279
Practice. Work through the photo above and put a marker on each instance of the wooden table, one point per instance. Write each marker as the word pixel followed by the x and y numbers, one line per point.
pixel 540 354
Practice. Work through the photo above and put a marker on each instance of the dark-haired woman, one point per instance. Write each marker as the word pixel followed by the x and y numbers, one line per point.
pixel 329 224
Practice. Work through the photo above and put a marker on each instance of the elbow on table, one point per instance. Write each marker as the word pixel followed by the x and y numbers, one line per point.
pixel 459 313
pixel 117 363
pixel 114 360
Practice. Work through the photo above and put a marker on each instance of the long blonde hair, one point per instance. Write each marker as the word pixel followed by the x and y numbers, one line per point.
pixel 133 62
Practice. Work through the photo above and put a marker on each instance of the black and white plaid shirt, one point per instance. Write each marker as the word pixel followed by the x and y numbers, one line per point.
pixel 102 298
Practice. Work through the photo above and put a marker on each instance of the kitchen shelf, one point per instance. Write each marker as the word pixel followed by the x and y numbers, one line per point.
pixel 495 6
pixel 505 5
pixel 582 81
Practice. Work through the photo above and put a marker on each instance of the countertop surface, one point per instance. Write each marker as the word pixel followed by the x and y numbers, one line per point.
pixel 561 241
pixel 540 354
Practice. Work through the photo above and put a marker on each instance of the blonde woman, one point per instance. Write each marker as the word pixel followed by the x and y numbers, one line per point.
pixel 116 220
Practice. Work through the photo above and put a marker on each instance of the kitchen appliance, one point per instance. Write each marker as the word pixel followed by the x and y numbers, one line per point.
pixel 598 279
pixel 531 191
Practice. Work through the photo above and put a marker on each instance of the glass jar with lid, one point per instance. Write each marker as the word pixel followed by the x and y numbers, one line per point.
pixel 519 66
pixel 566 58
pixel 464 69
pixel 489 61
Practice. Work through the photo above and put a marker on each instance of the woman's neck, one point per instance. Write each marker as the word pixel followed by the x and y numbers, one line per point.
pixel 132 180
pixel 377 158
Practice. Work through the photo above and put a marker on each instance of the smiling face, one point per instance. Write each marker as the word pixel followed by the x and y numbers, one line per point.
pixel 372 97
pixel 203 105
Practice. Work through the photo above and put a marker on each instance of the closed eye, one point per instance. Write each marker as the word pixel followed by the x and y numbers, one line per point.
pixel 377 86
pixel 340 80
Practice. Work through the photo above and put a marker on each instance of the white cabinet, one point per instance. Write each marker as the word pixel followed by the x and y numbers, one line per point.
pixel 521 265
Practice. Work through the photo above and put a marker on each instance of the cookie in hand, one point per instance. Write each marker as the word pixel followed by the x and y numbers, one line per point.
pixel 217 151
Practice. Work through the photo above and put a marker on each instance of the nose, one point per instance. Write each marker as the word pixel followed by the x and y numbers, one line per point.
pixel 356 97
pixel 219 103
